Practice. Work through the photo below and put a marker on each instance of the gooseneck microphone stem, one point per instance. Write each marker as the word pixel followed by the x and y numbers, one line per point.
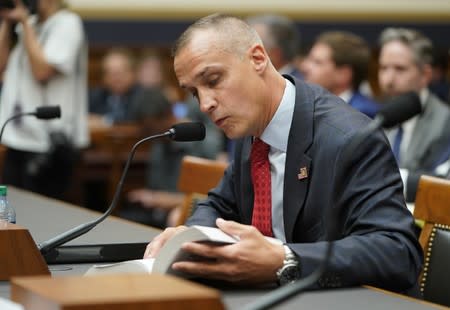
pixel 191 131
pixel 44 113
pixel 284 293
pixel 77 231
pixel 11 119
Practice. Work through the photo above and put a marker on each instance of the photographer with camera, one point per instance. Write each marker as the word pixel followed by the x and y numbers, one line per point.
pixel 46 66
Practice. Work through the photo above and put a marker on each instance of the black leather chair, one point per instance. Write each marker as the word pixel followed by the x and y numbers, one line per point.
pixel 433 207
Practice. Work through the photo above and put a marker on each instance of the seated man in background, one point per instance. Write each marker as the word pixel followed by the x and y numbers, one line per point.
pixel 150 69
pixel 288 165
pixel 420 143
pixel 339 62
pixel 440 83
pixel 281 40
pixel 114 101
pixel 156 204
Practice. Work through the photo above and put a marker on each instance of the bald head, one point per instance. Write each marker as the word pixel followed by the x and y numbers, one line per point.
pixel 231 34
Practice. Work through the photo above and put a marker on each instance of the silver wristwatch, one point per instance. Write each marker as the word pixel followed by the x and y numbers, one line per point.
pixel 290 271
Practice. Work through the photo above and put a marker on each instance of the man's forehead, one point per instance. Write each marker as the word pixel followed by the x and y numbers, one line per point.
pixel 203 39
pixel 396 51
pixel 398 47
pixel 199 45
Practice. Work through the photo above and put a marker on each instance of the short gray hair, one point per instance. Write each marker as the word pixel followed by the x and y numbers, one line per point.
pixel 420 45
pixel 235 35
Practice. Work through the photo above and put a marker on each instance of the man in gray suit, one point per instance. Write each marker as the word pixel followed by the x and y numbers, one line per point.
pixel 420 143
pixel 289 163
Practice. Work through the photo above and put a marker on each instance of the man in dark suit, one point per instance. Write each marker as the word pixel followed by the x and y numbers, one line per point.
pixel 339 62
pixel 115 101
pixel 288 162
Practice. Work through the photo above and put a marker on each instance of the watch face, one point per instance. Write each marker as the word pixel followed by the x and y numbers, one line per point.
pixel 290 273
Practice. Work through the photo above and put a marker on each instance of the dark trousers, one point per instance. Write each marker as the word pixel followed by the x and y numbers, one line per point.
pixel 22 169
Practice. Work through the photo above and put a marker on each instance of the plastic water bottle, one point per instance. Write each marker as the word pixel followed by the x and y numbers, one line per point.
pixel 7 213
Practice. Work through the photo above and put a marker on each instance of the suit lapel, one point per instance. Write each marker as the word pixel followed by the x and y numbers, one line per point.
pixel 297 162
pixel 421 141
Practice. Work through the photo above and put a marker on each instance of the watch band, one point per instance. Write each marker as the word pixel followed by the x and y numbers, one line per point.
pixel 290 271
pixel 289 255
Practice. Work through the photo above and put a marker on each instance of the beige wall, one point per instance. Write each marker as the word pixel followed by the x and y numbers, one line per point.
pixel 349 10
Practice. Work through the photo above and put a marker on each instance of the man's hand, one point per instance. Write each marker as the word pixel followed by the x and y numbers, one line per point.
pixel 252 260
pixel 157 242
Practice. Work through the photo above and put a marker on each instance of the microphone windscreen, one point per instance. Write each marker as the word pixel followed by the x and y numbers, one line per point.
pixel 194 131
pixel 399 109
pixel 48 112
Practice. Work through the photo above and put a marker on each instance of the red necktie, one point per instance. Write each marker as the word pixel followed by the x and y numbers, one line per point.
pixel 262 204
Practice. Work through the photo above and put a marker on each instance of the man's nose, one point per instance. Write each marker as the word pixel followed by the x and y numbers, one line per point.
pixel 207 103
pixel 389 76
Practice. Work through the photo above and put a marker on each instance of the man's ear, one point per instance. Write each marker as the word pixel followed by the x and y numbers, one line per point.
pixel 258 57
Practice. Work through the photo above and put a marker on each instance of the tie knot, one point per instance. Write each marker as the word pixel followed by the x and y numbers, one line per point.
pixel 260 145
pixel 260 149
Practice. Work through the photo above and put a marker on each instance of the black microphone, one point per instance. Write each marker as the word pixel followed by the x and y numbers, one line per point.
pixel 48 112
pixel 179 132
pixel 399 109
pixel 394 112
pixel 188 132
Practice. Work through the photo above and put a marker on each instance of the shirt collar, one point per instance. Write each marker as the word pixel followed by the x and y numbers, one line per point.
pixel 286 69
pixel 276 133
pixel 346 95
pixel 423 95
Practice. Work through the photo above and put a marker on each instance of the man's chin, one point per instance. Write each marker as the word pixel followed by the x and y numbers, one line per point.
pixel 232 133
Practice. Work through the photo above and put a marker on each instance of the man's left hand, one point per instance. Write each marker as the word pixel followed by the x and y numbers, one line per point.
pixel 252 260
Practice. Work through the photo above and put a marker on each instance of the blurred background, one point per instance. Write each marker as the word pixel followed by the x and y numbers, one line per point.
pixel 141 24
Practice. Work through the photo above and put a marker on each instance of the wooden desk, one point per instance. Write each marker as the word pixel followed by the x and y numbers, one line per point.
pixel 45 218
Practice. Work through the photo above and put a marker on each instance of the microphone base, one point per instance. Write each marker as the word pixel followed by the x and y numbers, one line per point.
pixel 95 253
pixel 19 255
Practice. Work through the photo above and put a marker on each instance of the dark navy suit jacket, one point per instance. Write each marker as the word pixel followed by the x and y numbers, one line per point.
pixel 375 241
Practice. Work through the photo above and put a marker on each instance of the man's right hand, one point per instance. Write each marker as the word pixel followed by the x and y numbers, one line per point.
pixel 158 242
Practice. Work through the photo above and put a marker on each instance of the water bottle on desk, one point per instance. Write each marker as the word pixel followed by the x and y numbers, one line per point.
pixel 7 212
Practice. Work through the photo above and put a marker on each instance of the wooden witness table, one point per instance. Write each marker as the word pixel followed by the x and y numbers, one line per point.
pixel 46 218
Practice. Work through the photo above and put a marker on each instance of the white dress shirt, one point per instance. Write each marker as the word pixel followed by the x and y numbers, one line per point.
pixel 276 135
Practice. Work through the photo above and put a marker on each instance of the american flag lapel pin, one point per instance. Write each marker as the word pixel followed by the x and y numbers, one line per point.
pixel 303 173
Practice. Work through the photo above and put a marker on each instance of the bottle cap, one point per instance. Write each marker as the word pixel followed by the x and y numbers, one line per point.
pixel 3 190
